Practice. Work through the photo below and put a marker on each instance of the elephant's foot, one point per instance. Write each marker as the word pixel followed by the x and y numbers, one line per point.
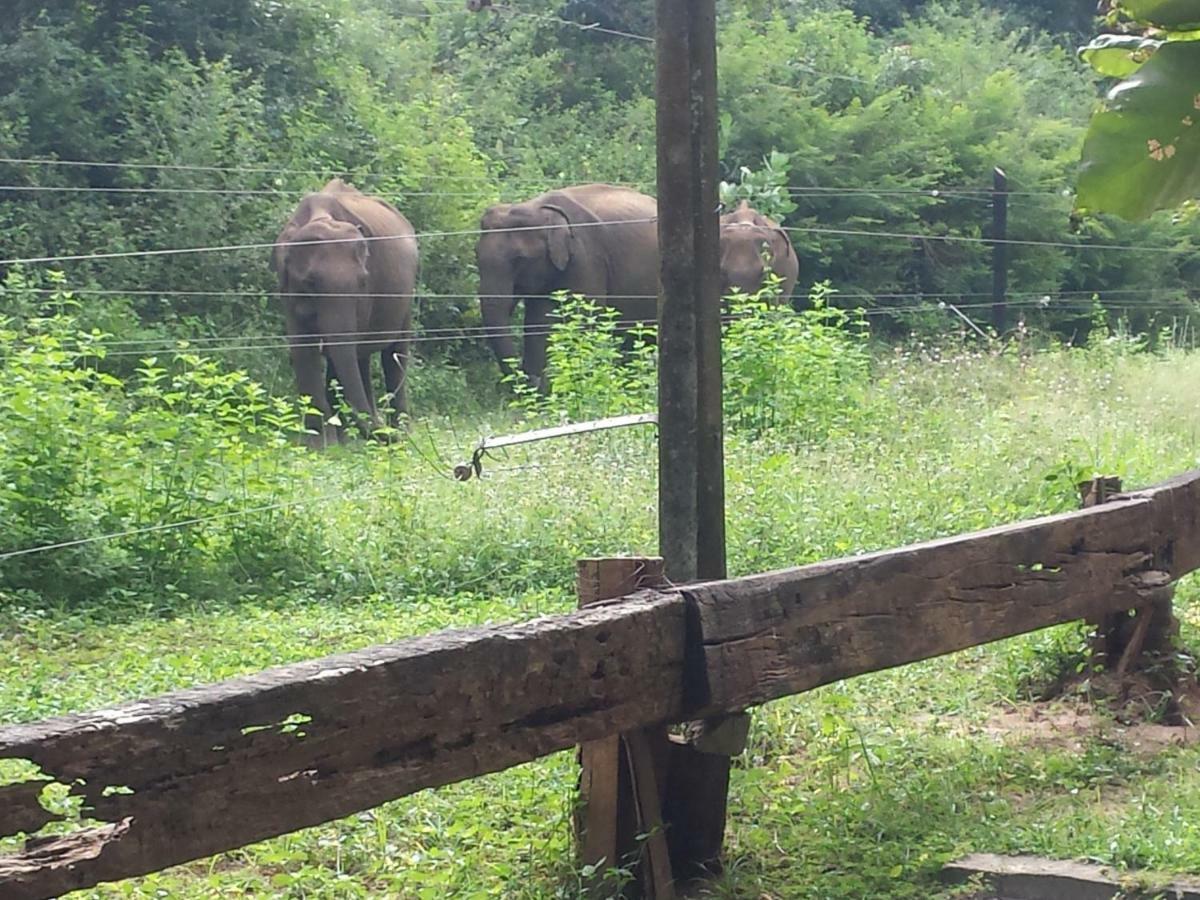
pixel 321 436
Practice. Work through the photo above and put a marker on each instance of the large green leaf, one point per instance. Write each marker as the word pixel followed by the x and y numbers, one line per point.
pixel 1118 55
pixel 1142 151
pixel 1168 13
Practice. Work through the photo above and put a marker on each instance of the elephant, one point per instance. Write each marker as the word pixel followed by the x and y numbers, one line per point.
pixel 598 240
pixel 749 241
pixel 347 268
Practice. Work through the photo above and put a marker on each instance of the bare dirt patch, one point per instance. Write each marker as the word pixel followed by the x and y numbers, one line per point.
pixel 1069 726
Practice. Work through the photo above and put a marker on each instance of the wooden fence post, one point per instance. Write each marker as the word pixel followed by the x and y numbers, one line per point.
pixel 620 779
pixel 1120 638
pixel 691 452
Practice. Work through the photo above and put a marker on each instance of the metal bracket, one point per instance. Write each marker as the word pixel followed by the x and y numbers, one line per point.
pixel 474 467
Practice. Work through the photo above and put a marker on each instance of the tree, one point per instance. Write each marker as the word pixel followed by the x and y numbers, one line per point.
pixel 1142 151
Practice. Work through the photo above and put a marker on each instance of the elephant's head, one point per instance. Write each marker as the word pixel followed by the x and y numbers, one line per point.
pixel 751 244
pixel 319 260
pixel 523 251
pixel 524 248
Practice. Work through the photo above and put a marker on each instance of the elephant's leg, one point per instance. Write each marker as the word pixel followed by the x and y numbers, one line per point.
pixel 333 393
pixel 395 374
pixel 497 319
pixel 364 372
pixel 349 374
pixel 537 326
pixel 309 365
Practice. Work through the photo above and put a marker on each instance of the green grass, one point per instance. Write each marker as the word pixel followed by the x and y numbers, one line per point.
pixel 858 790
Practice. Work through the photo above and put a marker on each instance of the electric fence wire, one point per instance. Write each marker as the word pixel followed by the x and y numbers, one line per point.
pixel 262 343
pixel 919 302
pixel 183 523
pixel 263 245
pixel 593 27
pixel 944 195
pixel 221 170
pixel 512 184
pixel 849 293
pixel 794 229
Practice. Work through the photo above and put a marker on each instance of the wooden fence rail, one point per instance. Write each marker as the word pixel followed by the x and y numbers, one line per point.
pixel 197 772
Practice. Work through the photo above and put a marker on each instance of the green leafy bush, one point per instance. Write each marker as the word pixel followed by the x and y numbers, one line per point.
pixel 100 467
pixel 803 373
pixel 766 189
pixel 800 373
pixel 590 372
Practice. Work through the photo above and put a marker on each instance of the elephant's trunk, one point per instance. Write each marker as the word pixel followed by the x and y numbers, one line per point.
pixel 496 305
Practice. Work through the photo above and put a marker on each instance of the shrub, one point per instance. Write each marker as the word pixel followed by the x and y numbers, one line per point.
pixel 800 375
pixel 593 367
pixel 85 457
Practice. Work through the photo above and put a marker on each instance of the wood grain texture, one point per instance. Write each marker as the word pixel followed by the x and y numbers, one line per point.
pixel 385 722
pixel 21 809
pixel 216 768
pixel 785 632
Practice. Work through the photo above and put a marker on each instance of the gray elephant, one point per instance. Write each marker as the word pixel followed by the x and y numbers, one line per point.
pixel 347 267
pixel 593 239
pixel 750 242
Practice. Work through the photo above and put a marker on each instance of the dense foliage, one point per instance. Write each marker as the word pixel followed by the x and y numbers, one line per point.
pixel 1142 149
pixel 84 455
pixel 799 376
pixel 876 107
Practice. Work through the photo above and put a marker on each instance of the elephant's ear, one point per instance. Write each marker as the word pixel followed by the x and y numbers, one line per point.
pixel 783 239
pixel 362 249
pixel 279 251
pixel 558 236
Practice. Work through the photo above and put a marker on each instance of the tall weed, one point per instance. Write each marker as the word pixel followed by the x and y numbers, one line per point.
pixel 593 367
pixel 84 456
pixel 800 374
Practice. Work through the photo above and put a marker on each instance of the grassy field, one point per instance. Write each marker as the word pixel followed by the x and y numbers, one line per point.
pixel 858 790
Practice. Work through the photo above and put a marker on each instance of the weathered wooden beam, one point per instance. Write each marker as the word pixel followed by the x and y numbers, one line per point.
pixel 782 633
pixel 215 768
pixel 21 809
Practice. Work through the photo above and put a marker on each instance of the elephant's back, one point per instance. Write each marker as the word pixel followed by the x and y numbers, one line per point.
pixel 381 217
pixel 610 202
pixel 385 221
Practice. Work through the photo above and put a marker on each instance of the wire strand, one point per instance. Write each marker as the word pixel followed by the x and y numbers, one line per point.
pixel 168 526
pixel 124 254
pixel 88 189
pixel 594 27
pixel 536 185
pixel 419 296
pixel 257 343
pixel 967 239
